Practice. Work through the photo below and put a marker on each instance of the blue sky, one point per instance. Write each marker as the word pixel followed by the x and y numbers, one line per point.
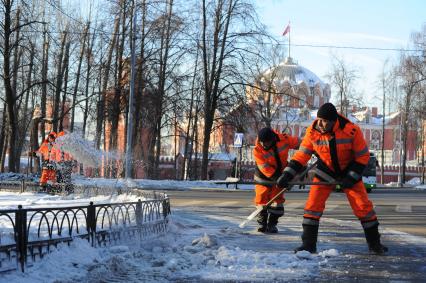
pixel 361 23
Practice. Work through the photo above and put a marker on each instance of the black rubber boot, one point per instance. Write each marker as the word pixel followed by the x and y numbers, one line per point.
pixel 43 188
pixel 309 239
pixel 274 212
pixel 272 223
pixel 262 220
pixel 372 236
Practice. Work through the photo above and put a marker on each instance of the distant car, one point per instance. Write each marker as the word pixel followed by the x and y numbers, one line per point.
pixel 369 175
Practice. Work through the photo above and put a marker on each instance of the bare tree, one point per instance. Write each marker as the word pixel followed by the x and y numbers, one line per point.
pixel 344 77
pixel 224 22
pixel 101 99
pixel 78 74
pixel 411 85
pixel 386 79
pixel 419 67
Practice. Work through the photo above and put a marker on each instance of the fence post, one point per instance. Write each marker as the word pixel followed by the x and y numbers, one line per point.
pixel 139 216
pixel 22 186
pixel 166 208
pixel 91 223
pixel 21 236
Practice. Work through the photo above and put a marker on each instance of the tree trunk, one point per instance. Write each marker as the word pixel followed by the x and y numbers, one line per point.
pixel 86 92
pixel 405 128
pixel 24 119
pixel 10 96
pixel 44 71
pixel 77 79
pixel 212 76
pixel 382 168
pixel 190 118
pixel 16 54
pixel 164 54
pixel 64 94
pixel 34 145
pixel 59 80
pixel 3 136
pixel 101 99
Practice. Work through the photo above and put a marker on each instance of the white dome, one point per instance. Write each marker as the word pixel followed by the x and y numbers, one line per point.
pixel 294 74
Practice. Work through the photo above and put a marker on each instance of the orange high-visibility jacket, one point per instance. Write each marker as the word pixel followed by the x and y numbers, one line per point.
pixel 266 161
pixel 49 152
pixel 341 151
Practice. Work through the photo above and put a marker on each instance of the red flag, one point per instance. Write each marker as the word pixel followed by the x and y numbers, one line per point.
pixel 287 29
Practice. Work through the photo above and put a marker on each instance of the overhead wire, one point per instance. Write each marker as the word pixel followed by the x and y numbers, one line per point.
pixel 368 48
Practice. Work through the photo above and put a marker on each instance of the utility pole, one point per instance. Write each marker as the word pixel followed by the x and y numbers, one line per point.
pixel 400 181
pixel 129 159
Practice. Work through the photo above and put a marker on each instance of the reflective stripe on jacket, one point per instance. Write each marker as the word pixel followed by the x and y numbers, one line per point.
pixel 265 159
pixel 346 141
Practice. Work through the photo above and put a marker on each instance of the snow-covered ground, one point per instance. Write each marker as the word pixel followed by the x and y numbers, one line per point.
pixel 203 247
pixel 190 250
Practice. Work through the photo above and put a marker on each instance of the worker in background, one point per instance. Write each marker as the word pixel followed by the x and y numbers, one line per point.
pixel 49 155
pixel 271 154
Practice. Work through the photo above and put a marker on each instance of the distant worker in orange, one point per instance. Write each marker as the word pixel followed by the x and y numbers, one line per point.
pixel 342 154
pixel 271 154
pixel 49 156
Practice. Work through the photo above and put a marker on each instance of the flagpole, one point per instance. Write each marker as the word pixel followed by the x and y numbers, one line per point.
pixel 289 32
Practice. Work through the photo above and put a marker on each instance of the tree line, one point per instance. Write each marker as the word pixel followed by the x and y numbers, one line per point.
pixel 74 62
pixel 194 60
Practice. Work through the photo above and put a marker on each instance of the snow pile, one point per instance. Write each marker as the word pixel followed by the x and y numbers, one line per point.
pixel 190 252
pixel 11 176
pixel 414 181
pixel 82 150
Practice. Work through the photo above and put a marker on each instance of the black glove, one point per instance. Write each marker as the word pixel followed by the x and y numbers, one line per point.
pixel 350 180
pixel 284 179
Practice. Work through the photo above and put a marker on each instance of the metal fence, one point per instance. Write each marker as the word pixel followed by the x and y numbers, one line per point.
pixel 34 231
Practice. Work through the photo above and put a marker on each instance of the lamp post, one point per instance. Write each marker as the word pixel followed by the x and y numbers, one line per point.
pixel 128 167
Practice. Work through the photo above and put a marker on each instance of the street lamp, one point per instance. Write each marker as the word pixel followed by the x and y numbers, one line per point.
pixel 129 133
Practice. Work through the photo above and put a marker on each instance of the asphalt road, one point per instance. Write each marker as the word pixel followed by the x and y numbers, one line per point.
pixel 399 209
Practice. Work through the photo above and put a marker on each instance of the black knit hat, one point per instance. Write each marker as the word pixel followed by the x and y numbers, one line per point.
pixel 266 134
pixel 327 111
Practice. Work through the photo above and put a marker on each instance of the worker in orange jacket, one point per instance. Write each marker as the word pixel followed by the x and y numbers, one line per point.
pixel 271 154
pixel 49 156
pixel 343 154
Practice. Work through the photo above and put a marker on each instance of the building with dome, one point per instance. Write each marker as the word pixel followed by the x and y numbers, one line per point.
pixel 285 97
pixel 293 96
pixel 282 97
pixel 296 81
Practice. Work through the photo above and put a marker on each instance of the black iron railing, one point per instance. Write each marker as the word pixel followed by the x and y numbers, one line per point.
pixel 31 233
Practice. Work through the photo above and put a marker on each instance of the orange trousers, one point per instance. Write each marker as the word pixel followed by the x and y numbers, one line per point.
pixel 362 207
pixel 47 175
pixel 265 194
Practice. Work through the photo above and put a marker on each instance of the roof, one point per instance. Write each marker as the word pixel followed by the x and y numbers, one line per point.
pixel 294 74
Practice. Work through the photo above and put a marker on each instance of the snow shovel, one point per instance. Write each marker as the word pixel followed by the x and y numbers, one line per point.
pixel 260 208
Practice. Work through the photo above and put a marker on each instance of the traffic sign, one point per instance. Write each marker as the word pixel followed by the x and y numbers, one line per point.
pixel 238 139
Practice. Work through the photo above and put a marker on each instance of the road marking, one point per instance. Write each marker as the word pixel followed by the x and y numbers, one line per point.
pixel 331 207
pixel 293 206
pixel 189 203
pixel 228 203
pixel 403 208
